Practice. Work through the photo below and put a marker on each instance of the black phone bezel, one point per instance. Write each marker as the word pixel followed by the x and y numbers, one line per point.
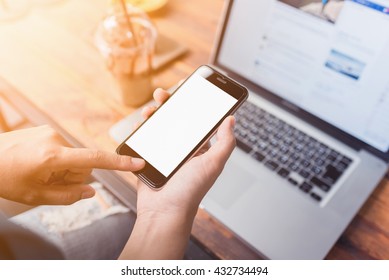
pixel 149 174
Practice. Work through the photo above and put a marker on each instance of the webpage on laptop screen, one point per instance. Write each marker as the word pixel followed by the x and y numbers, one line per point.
pixel 331 61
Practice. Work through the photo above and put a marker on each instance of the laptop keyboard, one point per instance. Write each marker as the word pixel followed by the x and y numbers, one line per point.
pixel 293 155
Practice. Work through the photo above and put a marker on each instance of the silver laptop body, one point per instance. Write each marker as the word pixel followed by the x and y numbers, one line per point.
pixel 323 76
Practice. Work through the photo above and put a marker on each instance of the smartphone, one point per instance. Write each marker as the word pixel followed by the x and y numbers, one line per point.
pixel 180 126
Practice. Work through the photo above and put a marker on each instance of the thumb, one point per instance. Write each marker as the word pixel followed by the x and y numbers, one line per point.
pixel 221 150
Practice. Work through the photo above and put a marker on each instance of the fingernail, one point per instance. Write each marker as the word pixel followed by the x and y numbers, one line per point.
pixel 138 161
pixel 232 122
pixel 87 194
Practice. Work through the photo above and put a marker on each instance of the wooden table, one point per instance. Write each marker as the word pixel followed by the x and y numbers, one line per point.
pixel 49 58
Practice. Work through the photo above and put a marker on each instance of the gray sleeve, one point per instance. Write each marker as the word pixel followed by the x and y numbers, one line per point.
pixel 19 243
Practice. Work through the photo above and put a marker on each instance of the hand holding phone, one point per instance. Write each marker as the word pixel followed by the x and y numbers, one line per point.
pixel 165 217
pixel 179 128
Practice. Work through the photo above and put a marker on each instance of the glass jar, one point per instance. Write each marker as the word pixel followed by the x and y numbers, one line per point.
pixel 127 45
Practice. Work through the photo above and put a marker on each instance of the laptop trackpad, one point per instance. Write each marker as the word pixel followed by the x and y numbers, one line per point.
pixel 239 181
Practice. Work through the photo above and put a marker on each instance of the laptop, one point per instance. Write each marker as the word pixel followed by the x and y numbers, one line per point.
pixel 313 137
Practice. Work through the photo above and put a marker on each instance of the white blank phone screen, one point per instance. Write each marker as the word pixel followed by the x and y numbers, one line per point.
pixel 173 132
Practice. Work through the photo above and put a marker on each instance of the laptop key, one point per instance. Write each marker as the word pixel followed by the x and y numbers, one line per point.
pixel 346 160
pixel 242 145
pixel 241 133
pixel 251 137
pixel 262 145
pixel 341 166
pixel 284 149
pixel 272 153
pixel 283 159
pixel 271 165
pixel 258 156
pixel 331 157
pixel 316 169
pixel 332 174
pixel 264 137
pixel 305 187
pixel 283 172
pixel 305 163
pixel 333 154
pixel 292 181
pixel 294 156
pixel 319 161
pixel 321 184
pixel 293 166
pixel 316 197
pixel 305 174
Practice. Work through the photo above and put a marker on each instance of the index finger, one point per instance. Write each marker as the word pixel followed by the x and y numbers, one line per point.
pixel 84 158
pixel 160 96
pixel 219 152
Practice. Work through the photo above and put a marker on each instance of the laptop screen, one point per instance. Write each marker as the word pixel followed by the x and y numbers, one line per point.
pixel 329 58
